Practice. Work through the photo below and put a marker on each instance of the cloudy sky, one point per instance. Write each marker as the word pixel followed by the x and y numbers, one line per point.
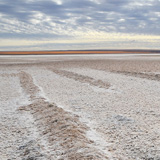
pixel 79 24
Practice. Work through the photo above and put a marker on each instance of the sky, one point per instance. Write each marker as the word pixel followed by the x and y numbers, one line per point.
pixel 79 24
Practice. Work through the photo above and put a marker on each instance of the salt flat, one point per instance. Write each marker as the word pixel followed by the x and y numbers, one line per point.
pixel 80 107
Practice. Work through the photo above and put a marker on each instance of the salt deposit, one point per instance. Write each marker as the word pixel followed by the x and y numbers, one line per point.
pixel 80 107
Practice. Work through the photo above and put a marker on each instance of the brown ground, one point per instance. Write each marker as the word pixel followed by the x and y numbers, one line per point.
pixel 71 52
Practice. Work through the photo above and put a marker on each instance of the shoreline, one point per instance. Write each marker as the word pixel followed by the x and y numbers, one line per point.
pixel 75 52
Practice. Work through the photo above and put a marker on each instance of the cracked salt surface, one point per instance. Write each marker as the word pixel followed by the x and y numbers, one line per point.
pixel 92 134
pixel 41 92
pixel 115 115
pixel 111 89
pixel 124 119
pixel 17 128
pixel 12 97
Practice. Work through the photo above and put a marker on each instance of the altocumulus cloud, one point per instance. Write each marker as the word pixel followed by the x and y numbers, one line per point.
pixel 84 24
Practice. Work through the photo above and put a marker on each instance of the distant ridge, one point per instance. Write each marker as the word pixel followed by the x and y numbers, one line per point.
pixel 59 52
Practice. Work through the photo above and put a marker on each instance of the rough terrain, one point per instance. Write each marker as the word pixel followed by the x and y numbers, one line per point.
pixel 80 107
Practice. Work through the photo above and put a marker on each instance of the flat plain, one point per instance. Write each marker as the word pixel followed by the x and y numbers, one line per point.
pixel 80 107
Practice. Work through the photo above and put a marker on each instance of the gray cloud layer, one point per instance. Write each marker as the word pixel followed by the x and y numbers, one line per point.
pixel 34 19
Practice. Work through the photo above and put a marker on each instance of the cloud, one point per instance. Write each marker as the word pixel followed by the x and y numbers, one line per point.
pixel 69 19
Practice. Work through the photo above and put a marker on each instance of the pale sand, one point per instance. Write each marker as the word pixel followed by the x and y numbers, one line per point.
pixel 80 107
